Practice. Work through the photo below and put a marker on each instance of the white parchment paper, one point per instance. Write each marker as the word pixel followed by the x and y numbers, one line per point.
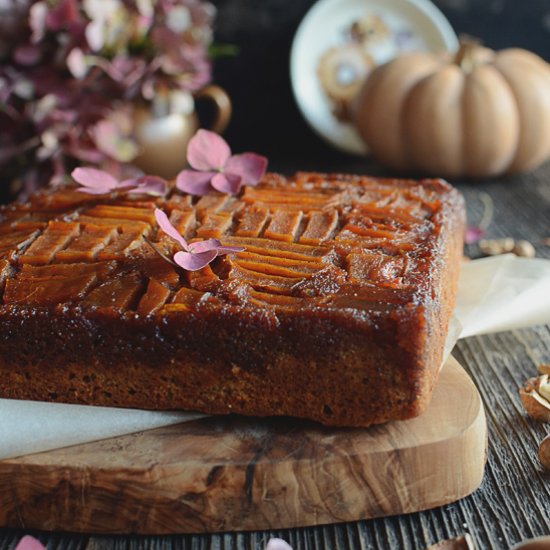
pixel 495 294
pixel 503 293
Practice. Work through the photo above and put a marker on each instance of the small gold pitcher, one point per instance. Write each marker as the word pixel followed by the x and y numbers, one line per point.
pixel 164 127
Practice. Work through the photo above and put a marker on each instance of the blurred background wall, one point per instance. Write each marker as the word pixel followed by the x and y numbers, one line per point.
pixel 266 118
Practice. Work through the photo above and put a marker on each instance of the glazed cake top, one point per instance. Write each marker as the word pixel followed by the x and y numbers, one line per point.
pixel 311 241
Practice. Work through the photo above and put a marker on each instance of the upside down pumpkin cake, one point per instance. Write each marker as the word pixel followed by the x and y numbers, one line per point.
pixel 336 310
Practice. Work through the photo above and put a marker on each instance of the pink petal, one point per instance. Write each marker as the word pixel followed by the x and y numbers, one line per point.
pixel 150 185
pixel 62 15
pixel 29 543
pixel 473 234
pixel 27 54
pixel 229 250
pixel 194 183
pixel 95 35
pixel 249 166
pixel 128 185
pixel 204 246
pixel 207 151
pixel 168 228
pixel 94 181
pixel 145 8
pixel 213 244
pixel 227 183
pixel 277 544
pixel 194 262
pixel 76 63
pixel 37 20
pixel 90 191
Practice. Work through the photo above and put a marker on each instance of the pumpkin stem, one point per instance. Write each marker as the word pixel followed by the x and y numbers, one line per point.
pixel 465 58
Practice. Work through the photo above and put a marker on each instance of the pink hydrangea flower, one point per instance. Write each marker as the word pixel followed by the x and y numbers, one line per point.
pixel 99 182
pixel 196 255
pixel 29 543
pixel 215 168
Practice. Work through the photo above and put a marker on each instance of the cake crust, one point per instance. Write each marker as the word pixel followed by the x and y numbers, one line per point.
pixel 336 311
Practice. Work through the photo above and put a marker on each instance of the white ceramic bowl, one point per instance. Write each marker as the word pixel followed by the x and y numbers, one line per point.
pixel 413 25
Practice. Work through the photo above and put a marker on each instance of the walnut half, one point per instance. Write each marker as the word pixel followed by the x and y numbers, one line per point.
pixel 544 452
pixel 535 396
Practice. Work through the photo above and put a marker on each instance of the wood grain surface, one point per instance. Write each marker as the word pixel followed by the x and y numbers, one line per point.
pixel 219 474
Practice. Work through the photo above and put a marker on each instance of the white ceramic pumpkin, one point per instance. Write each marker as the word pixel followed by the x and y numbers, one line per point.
pixel 479 113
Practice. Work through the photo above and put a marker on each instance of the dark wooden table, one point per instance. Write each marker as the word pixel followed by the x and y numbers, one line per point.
pixel 513 502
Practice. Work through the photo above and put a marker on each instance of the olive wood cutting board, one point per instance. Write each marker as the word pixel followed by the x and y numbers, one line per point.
pixel 233 473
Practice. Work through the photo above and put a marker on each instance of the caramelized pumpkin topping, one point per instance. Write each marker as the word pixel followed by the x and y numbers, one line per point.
pixel 312 241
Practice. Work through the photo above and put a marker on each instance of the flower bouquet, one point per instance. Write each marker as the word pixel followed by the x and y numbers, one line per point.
pixel 71 73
